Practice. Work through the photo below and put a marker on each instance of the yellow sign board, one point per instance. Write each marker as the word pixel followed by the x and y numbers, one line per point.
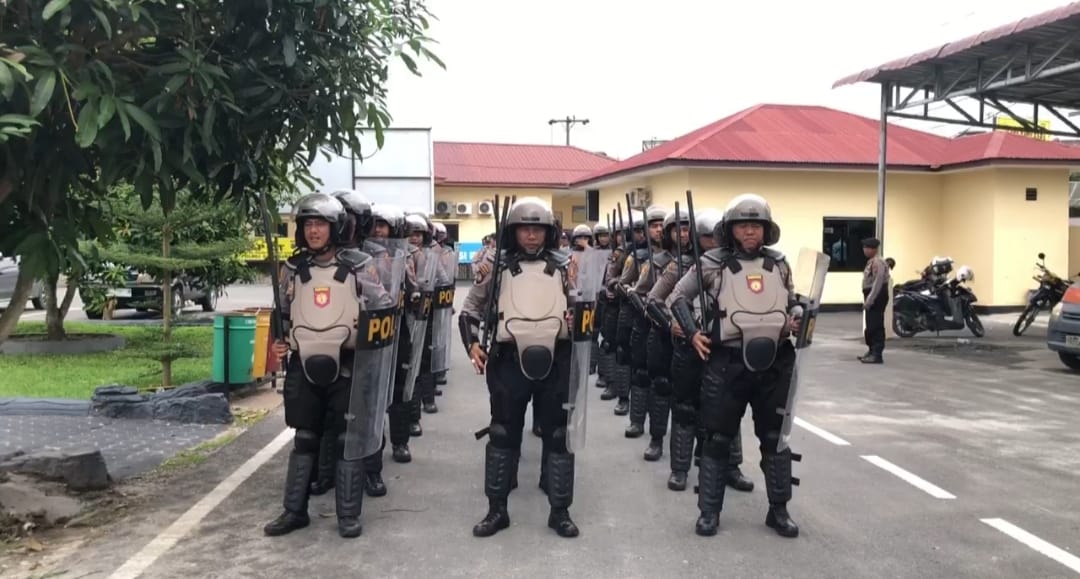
pixel 284 248
pixel 1019 129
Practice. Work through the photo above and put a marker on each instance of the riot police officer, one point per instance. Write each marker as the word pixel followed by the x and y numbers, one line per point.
pixel 750 357
pixel 528 302
pixel 686 375
pixel 389 223
pixel 617 379
pixel 634 249
pixel 318 373
pixel 420 384
pixel 648 261
pixel 602 240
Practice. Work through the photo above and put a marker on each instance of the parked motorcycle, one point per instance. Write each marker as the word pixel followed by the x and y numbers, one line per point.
pixel 1051 289
pixel 934 303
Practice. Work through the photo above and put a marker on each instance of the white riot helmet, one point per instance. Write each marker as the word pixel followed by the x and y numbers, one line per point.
pixel 965 274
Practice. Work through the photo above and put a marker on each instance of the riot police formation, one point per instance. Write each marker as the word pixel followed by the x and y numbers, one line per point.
pixel 614 371
pixel 601 240
pixel 749 356
pixel 685 367
pixel 329 290
pixel 639 274
pixel 525 303
pixel 635 250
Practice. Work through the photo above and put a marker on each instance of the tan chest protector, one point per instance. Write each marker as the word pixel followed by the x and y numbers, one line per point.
pixel 532 314
pixel 324 314
pixel 753 309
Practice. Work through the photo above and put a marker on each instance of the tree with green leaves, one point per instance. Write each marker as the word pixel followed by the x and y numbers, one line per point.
pixel 220 99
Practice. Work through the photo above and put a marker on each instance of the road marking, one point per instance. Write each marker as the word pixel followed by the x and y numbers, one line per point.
pixel 1060 555
pixel 822 433
pixel 182 526
pixel 922 484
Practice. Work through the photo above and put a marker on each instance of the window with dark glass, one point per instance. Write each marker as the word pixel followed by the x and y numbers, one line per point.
pixel 842 241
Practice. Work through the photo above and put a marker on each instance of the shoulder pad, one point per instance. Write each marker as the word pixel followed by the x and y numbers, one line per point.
pixel 661 259
pixel 559 257
pixel 717 255
pixel 294 261
pixel 687 259
pixel 774 254
pixel 353 257
pixel 641 254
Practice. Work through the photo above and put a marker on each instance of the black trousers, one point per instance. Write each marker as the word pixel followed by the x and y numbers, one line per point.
pixel 312 408
pixel 728 387
pixel 874 334
pixel 510 392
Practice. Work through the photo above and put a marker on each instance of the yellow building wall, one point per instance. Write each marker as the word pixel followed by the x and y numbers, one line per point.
pixel 967 210
pixel 472 228
pixel 1074 253
pixel 1024 228
pixel 563 205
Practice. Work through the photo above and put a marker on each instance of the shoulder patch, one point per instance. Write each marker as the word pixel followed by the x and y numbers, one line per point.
pixel 628 262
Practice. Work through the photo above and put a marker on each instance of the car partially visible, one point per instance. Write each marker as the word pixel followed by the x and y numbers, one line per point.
pixel 1063 332
pixel 9 273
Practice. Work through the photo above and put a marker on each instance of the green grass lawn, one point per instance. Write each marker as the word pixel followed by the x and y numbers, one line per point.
pixel 77 376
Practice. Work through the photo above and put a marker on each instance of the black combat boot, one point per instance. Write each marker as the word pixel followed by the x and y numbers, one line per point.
pixel 659 411
pixel 711 487
pixel 594 360
pixel 324 472
pixel 349 493
pixel 414 413
pixel 622 390
pixel 560 472
pixel 639 408
pixel 373 481
pixel 499 466
pixel 427 391
pixel 777 470
pixel 682 447
pixel 399 432
pixel 297 476
pixel 733 475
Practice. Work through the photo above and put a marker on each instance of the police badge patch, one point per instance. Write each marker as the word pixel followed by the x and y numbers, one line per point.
pixel 322 297
pixel 755 282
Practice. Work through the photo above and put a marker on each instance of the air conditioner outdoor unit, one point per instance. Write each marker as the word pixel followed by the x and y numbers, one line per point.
pixel 443 207
pixel 485 207
pixel 463 209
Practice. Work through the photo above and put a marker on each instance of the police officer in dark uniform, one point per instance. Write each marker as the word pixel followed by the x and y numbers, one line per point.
pixel 602 240
pixel 419 232
pixel 875 290
pixel 639 278
pixel 750 356
pixel 318 373
pixel 617 375
pixel 530 356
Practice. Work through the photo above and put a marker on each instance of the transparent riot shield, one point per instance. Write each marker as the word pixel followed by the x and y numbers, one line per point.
pixel 393 249
pixel 588 275
pixel 443 310
pixel 809 281
pixel 419 314
pixel 380 281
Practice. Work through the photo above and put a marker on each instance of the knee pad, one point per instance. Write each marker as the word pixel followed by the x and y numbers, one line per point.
pixel 622 356
pixel 500 437
pixel 684 414
pixel 769 442
pixel 306 442
pixel 640 378
pixel 558 439
pixel 662 386
pixel 717 445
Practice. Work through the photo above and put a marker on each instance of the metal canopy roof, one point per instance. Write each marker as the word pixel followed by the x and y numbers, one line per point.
pixel 1034 61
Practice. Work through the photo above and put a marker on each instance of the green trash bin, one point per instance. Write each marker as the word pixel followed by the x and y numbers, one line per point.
pixel 234 340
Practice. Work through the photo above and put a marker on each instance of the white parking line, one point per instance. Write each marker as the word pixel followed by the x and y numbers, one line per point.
pixel 822 433
pixel 182 526
pixel 922 484
pixel 1060 555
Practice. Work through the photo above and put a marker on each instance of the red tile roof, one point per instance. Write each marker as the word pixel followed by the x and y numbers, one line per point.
pixel 770 134
pixel 506 165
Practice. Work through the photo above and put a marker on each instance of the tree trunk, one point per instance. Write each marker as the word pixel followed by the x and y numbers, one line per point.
pixel 54 316
pixel 166 309
pixel 10 318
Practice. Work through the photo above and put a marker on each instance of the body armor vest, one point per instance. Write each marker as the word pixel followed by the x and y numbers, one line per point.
pixel 532 313
pixel 649 272
pixel 325 310
pixel 753 301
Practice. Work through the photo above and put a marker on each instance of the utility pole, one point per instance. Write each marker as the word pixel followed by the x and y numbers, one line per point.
pixel 569 122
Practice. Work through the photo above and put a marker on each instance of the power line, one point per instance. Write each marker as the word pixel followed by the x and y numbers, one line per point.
pixel 569 122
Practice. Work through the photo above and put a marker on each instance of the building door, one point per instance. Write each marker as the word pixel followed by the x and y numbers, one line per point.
pixel 452 231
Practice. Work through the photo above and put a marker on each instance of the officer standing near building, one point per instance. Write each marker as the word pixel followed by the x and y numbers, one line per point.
pixel 325 287
pixel 649 260
pixel 749 355
pixel 686 370
pixel 875 291
pixel 526 302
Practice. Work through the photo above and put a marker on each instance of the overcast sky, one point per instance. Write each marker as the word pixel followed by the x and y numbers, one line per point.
pixel 639 71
